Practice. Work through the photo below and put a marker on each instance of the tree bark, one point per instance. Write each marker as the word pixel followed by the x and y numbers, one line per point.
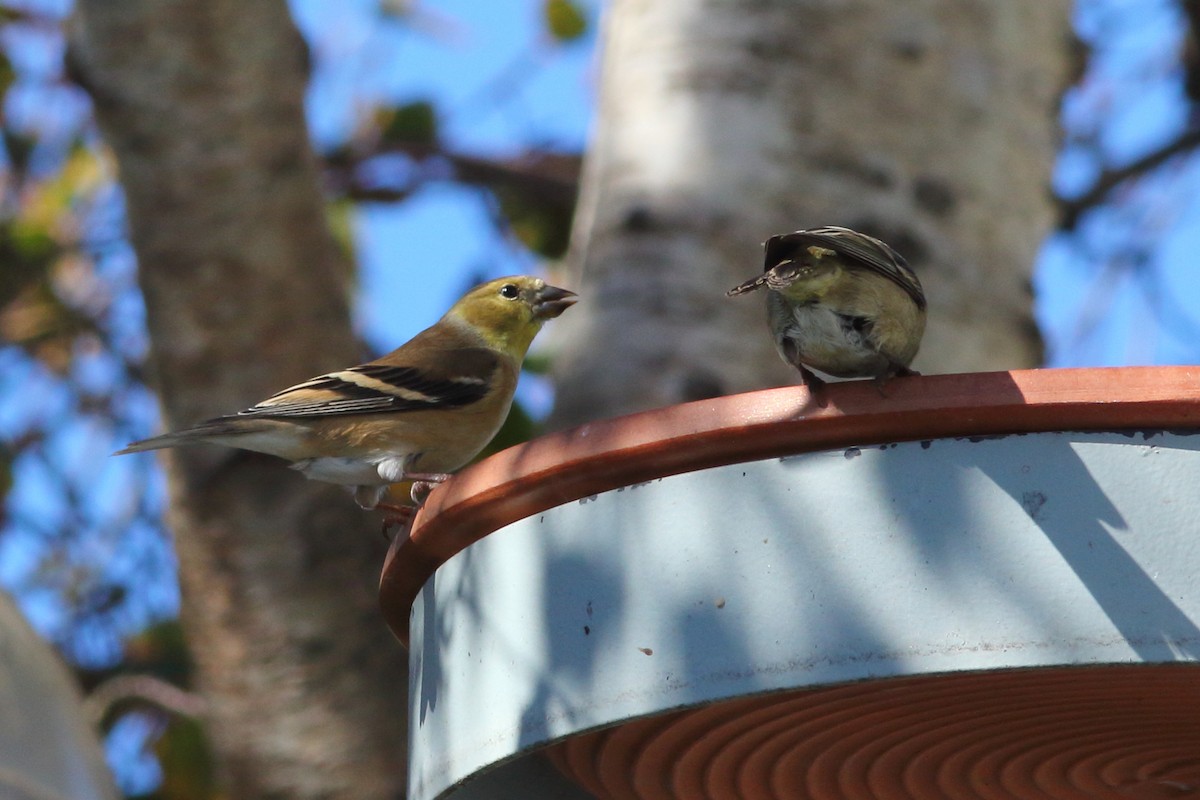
pixel 246 293
pixel 931 125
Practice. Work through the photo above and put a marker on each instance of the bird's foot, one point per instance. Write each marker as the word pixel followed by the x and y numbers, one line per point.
pixel 423 484
pixel 897 371
pixel 399 518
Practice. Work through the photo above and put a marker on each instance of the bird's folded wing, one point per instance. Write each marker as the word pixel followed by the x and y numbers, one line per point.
pixel 866 250
pixel 380 387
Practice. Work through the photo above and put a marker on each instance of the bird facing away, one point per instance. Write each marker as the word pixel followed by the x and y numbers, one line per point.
pixel 418 413
pixel 840 302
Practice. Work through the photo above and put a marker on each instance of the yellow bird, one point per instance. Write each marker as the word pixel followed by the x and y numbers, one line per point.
pixel 418 413
pixel 841 302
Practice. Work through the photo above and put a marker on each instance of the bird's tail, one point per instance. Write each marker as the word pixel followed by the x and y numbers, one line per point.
pixel 221 430
pixel 748 286
pixel 159 442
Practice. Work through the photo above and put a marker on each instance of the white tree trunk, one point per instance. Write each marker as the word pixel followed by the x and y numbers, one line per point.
pixel 48 749
pixel 929 124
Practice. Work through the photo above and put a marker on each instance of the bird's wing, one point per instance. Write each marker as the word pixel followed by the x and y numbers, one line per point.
pixel 380 387
pixel 867 251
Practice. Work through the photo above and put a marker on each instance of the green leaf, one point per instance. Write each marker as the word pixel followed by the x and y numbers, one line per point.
pixel 161 650
pixel 543 227
pixel 411 123
pixel 536 364
pixel 19 149
pixel 7 458
pixel 188 767
pixel 26 255
pixel 7 74
pixel 565 20
pixel 339 215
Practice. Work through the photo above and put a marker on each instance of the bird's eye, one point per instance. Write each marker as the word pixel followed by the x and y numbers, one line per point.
pixel 510 291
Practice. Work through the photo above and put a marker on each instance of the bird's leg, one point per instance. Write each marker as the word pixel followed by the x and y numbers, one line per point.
pixel 815 385
pixel 426 477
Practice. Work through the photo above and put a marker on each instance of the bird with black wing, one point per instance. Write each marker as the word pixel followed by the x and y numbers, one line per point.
pixel 415 414
pixel 841 302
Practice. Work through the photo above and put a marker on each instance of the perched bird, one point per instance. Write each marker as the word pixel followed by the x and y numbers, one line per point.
pixel 840 302
pixel 418 413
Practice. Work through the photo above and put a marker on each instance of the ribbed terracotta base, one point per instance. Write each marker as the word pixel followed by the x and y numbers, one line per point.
pixel 1068 734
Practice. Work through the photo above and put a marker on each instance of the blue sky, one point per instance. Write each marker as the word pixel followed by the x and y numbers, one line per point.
pixel 415 257
pixel 503 86
pixel 1125 289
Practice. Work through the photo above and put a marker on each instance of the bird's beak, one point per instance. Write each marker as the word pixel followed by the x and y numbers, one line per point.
pixel 552 301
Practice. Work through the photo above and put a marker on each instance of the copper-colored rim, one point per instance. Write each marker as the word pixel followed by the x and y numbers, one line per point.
pixel 607 454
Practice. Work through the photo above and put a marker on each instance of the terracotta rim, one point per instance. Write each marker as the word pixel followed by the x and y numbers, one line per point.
pixel 610 453
pixel 1121 732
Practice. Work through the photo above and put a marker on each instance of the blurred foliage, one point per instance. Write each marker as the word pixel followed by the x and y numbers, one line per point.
pixel 565 20
pixel 187 763
pixel 536 198
pixel 46 275
pixel 7 456
pixel 160 650
pixel 412 123
pixel 545 228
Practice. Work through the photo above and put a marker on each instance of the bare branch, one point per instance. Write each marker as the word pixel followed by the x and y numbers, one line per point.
pixel 552 177
pixel 140 690
pixel 1070 210
pixel 1190 55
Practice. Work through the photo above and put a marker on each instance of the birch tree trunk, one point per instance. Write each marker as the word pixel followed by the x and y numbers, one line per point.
pixel 245 292
pixel 929 124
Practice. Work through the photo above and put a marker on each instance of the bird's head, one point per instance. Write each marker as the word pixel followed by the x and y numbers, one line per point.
pixel 800 271
pixel 509 312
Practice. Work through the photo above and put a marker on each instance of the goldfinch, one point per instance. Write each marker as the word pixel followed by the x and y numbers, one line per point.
pixel 840 302
pixel 418 413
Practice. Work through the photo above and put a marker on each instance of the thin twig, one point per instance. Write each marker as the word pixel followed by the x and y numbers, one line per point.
pixel 1070 210
pixel 140 690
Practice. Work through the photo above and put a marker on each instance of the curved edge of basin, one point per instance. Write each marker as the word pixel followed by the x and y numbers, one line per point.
pixel 607 454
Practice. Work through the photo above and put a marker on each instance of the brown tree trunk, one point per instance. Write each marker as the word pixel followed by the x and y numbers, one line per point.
pixel 245 293
pixel 931 125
